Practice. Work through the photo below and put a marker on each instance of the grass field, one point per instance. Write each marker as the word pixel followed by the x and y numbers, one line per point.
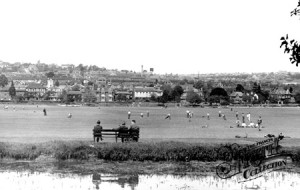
pixel 30 125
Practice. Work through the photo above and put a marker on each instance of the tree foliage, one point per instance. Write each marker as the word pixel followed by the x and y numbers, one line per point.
pixel 297 97
pixel 12 90
pixel 239 88
pixel 47 95
pixel 89 96
pixel 199 85
pixel 292 47
pixel 176 93
pixel 193 98
pixel 64 97
pixel 165 96
pixel 121 97
pixel 256 88
pixel 76 87
pixel 82 69
pixel 218 92
pixel 56 83
pixel 19 98
pixel 3 80
pixel 50 74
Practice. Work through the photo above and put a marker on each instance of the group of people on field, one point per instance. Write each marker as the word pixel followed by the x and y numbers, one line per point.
pixel 251 123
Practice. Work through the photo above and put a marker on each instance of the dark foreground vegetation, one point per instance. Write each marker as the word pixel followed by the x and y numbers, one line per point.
pixel 148 151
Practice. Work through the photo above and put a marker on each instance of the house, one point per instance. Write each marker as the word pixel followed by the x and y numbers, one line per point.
pixel 123 92
pixel 236 97
pixel 146 92
pixel 35 90
pixel 62 79
pixel 25 79
pixel 101 81
pixel 55 92
pixel 280 94
pixel 105 95
pixel 20 90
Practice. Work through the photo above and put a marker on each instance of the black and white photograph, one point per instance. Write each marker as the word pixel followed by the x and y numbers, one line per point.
pixel 149 95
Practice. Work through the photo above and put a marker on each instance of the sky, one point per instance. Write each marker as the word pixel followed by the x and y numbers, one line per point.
pixel 171 36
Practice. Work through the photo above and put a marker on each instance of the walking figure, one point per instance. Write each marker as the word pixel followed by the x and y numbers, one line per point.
pixel 259 122
pixel 129 114
pixel 208 116
pixel 45 112
pixel 148 114
pixel 142 115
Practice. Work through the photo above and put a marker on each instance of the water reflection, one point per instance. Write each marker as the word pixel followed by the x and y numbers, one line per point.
pixel 122 180
pixel 36 181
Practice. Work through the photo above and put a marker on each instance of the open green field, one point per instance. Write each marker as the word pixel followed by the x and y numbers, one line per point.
pixel 30 125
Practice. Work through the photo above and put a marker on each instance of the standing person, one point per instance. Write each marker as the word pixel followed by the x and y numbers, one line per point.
pixel 249 117
pixel 208 116
pixel 97 129
pixel 224 117
pixel 148 114
pixel 45 112
pixel 237 115
pixel 243 118
pixel 168 116
pixel 187 113
pixel 259 122
pixel 129 114
pixel 220 113
pixel 190 116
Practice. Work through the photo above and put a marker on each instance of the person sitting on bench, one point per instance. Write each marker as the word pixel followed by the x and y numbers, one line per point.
pixel 123 131
pixel 134 130
pixel 97 129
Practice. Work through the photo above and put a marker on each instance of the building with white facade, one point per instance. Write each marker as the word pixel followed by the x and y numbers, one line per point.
pixel 146 92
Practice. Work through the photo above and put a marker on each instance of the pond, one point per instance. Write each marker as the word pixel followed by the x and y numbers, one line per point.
pixel 35 181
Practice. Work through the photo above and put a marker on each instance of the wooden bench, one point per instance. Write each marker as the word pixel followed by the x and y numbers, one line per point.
pixel 124 134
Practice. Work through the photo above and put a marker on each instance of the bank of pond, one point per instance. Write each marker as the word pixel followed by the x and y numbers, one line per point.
pixel 132 151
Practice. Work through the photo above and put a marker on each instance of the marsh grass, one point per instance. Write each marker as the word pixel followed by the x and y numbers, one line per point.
pixel 146 151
